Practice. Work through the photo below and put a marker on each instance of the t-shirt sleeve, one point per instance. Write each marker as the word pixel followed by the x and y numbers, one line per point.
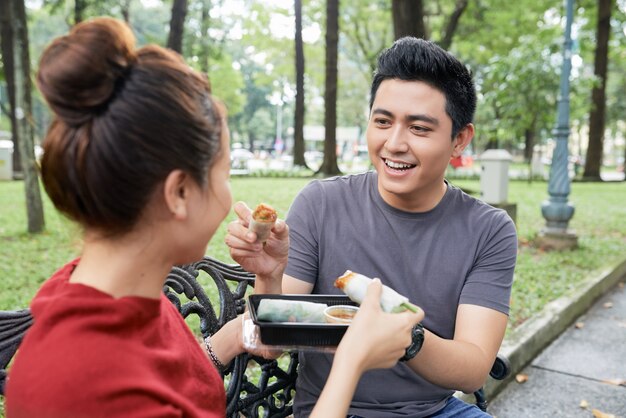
pixel 302 219
pixel 489 282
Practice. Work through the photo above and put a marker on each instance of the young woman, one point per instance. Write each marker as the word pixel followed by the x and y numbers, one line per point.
pixel 138 155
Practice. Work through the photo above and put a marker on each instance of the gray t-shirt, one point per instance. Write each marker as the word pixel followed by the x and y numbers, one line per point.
pixel 461 252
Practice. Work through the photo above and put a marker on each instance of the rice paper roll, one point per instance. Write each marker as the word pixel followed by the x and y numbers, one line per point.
pixel 354 285
pixel 280 310
pixel 262 221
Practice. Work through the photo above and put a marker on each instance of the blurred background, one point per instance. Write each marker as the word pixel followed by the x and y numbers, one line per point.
pixel 289 111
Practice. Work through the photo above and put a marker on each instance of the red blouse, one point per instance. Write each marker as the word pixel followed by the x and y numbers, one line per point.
pixel 91 355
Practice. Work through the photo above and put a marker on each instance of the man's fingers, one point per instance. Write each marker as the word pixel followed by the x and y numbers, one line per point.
pixel 243 211
pixel 281 229
pixel 242 253
pixel 236 243
pixel 239 227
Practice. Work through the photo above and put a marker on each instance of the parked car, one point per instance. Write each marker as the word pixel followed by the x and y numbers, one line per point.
pixel 465 161
pixel 239 158
pixel 314 159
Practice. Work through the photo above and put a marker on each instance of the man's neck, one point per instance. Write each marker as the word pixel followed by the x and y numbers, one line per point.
pixel 424 201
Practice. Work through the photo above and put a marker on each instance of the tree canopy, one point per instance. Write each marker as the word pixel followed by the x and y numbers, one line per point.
pixel 247 49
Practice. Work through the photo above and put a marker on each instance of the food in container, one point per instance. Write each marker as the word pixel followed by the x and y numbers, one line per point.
pixel 340 314
pixel 278 310
pixel 307 336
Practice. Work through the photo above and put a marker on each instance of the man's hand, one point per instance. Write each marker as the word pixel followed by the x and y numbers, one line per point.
pixel 267 261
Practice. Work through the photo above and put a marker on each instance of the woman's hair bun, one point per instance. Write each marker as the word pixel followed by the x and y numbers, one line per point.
pixel 81 72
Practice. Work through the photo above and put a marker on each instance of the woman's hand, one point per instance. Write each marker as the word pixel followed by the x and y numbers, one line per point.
pixel 228 342
pixel 267 261
pixel 376 339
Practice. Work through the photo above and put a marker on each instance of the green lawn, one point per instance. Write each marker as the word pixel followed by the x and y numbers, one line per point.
pixel 540 276
pixel 27 260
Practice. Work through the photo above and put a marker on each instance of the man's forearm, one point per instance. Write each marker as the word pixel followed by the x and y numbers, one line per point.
pixel 268 285
pixel 451 364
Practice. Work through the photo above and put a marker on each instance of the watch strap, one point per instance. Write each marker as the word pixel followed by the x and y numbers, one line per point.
pixel 417 340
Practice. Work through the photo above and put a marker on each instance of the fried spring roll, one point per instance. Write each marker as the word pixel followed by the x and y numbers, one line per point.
pixel 354 285
pixel 263 220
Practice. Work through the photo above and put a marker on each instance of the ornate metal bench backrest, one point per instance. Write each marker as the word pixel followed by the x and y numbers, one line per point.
pixel 13 326
pixel 273 394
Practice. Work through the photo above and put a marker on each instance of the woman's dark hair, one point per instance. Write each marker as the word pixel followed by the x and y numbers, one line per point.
pixel 413 59
pixel 124 119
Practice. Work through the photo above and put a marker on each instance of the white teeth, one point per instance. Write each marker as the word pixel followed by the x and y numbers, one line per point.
pixel 397 166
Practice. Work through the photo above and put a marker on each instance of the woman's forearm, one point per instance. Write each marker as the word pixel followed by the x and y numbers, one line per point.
pixel 335 399
pixel 227 343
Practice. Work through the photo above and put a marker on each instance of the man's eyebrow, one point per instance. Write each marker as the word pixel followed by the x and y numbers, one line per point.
pixel 382 112
pixel 423 118
pixel 410 118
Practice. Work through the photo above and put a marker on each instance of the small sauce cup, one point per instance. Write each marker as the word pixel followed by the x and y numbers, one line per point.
pixel 340 314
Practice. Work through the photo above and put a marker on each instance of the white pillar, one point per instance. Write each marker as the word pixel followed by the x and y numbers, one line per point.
pixel 494 176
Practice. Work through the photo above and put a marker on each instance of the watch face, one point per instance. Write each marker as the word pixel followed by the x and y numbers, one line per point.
pixel 418 336
pixel 419 340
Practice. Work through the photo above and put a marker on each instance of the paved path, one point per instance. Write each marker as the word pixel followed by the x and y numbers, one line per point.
pixel 576 369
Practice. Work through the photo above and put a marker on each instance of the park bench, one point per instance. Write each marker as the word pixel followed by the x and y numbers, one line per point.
pixel 254 386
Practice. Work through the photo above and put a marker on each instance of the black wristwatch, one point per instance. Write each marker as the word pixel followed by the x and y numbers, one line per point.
pixel 417 339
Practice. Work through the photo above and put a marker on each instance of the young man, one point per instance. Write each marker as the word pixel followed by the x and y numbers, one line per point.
pixel 449 253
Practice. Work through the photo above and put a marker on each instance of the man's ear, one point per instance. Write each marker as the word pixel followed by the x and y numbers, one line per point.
pixel 463 139
pixel 176 193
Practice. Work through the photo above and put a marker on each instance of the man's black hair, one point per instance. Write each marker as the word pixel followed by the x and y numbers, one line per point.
pixel 413 59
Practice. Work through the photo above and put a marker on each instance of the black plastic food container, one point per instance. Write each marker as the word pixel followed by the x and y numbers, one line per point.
pixel 294 333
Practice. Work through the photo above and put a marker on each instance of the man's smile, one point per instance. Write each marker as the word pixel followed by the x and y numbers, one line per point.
pixel 398 165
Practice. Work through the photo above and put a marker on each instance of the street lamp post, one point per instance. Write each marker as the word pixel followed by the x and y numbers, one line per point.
pixel 557 210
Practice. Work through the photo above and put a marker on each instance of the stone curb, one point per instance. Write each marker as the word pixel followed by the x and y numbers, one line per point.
pixel 521 346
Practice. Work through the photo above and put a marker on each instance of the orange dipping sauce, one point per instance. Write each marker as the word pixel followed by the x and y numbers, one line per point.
pixel 340 314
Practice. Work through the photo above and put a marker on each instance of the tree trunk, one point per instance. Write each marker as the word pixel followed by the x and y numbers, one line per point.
pixel 492 143
pixel 79 11
pixel 4 106
pixel 126 10
pixel 251 139
pixel 298 134
pixel 529 140
pixel 453 22
pixel 177 25
pixel 24 116
pixel 529 143
pixel 624 164
pixel 593 162
pixel 7 41
pixel 408 18
pixel 329 165
pixel 205 24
